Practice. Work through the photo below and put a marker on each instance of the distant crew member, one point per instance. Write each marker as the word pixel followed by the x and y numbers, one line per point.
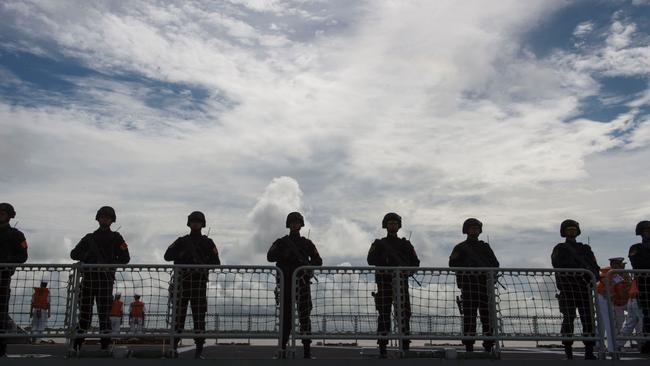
pixel 194 248
pixel 40 308
pixel 117 313
pixel 619 292
pixel 474 287
pixel 136 314
pixel 640 259
pixel 289 253
pixel 392 251
pixel 575 290
pixel 103 246
pixel 634 318
pixel 13 249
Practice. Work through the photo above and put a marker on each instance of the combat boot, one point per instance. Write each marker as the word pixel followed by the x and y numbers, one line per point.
pixel 568 352
pixel 383 352
pixel 469 348
pixel 589 352
pixel 645 348
pixel 406 345
pixel 306 348
pixel 488 347
pixel 198 352
pixel 76 345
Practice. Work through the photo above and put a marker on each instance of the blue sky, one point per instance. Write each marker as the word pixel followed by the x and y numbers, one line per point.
pixel 522 114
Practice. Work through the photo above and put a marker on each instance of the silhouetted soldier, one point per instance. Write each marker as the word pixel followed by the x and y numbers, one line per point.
pixel 289 253
pixel 13 249
pixel 474 287
pixel 575 289
pixel 194 248
pixel 392 251
pixel 640 259
pixel 103 246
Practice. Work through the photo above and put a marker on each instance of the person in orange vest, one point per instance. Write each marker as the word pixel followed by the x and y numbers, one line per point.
pixel 117 313
pixel 618 292
pixel 136 314
pixel 40 308
pixel 634 319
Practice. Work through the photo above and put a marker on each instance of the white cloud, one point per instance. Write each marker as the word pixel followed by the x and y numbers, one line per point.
pixel 583 29
pixel 434 110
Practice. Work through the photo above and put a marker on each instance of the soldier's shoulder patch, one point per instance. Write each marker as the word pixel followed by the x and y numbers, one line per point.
pixel 124 246
pixel 633 252
pixel 455 254
pixel 23 244
pixel 215 250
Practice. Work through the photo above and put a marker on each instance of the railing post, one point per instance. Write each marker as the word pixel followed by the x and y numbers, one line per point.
pixel 173 300
pixel 613 327
pixel 599 326
pixel 397 304
pixel 72 293
pixel 492 307
pixel 535 328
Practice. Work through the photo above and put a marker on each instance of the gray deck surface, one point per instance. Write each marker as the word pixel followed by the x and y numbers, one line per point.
pixel 241 354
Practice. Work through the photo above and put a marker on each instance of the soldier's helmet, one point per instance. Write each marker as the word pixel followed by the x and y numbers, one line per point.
pixel 107 211
pixel 642 225
pixel 472 222
pixel 196 216
pixel 569 223
pixel 8 209
pixel 391 216
pixel 295 217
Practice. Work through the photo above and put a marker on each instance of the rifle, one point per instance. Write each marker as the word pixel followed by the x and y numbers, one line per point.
pixel 396 258
pixel 299 254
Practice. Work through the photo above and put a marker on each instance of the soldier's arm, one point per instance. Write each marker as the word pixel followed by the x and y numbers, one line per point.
pixel 213 253
pixel 314 257
pixel 560 259
pixel 122 255
pixel 456 257
pixel 593 263
pixel 173 251
pixel 19 249
pixel 635 257
pixel 80 251
pixel 494 262
pixel 376 255
pixel 414 261
pixel 275 253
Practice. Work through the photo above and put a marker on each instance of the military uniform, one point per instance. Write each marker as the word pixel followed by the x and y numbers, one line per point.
pixel 392 252
pixel 640 259
pixel 289 253
pixel 575 290
pixel 13 249
pixel 474 287
pixel 100 247
pixel 194 248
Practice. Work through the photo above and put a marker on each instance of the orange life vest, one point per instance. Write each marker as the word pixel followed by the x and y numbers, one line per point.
pixel 117 308
pixel 41 296
pixel 618 291
pixel 137 309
